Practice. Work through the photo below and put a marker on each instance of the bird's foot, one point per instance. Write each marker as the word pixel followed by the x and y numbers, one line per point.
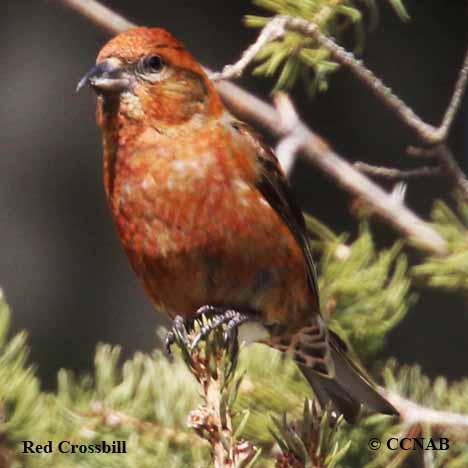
pixel 229 317
pixel 215 318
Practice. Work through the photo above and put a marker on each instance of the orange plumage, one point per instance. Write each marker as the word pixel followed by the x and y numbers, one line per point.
pixel 203 210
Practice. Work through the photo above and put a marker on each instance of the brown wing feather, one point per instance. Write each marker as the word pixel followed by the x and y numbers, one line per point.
pixel 275 188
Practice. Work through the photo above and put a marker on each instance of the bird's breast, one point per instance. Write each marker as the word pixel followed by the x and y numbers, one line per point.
pixel 196 229
pixel 177 193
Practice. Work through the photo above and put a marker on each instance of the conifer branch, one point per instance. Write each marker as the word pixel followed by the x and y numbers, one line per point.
pixel 213 362
pixel 114 419
pixel 308 437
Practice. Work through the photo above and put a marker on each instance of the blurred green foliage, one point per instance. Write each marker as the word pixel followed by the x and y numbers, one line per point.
pixel 146 400
pixel 449 272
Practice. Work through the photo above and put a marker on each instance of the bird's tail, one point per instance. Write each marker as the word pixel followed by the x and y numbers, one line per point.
pixel 348 389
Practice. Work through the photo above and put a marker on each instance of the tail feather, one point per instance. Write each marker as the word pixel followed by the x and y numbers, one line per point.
pixel 347 390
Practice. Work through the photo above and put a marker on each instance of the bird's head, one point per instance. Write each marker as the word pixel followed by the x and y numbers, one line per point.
pixel 151 76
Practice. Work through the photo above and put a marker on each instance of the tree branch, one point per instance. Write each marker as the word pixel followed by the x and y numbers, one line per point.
pixel 277 28
pixel 447 162
pixel 313 147
pixel 279 25
pixel 440 421
pixel 100 15
pixel 454 105
pixel 392 173
pixel 213 364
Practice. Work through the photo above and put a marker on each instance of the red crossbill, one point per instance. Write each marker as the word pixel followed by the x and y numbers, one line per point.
pixel 205 214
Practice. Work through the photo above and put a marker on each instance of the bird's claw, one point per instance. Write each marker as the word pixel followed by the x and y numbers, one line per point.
pixel 169 341
pixel 177 329
pixel 209 311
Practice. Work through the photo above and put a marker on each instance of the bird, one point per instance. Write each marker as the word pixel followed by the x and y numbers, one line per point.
pixel 206 216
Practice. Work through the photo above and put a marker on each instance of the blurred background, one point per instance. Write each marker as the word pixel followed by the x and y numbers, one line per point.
pixel 61 268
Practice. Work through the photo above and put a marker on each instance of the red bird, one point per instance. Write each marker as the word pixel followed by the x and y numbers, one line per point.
pixel 205 214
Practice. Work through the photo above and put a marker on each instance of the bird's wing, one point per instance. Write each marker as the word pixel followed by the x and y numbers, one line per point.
pixel 335 379
pixel 274 187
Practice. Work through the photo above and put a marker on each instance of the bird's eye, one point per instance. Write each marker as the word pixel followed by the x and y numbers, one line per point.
pixel 156 63
pixel 151 64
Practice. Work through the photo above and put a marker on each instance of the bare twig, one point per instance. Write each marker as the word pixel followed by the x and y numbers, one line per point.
pixel 279 25
pixel 100 15
pixel 326 12
pixel 275 29
pixel 268 34
pixel 315 148
pixel 457 96
pixel 319 152
pixel 440 421
pixel 447 162
pixel 391 173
